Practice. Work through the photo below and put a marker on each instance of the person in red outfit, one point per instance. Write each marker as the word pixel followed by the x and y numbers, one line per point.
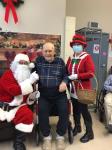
pixel 80 67
pixel 15 85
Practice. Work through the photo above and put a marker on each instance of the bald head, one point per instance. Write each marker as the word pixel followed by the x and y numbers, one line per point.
pixel 49 46
pixel 49 51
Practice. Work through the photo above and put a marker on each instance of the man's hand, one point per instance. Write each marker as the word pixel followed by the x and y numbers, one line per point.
pixel 33 97
pixel 62 87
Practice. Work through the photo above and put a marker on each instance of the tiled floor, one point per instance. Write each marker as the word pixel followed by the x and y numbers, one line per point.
pixel 102 141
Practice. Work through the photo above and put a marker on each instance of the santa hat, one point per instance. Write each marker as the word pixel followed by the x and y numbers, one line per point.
pixel 77 38
pixel 24 56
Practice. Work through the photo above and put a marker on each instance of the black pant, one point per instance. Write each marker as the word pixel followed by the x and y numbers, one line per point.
pixel 46 104
pixel 78 109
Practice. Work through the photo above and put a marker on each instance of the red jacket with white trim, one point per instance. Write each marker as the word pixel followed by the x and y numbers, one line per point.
pixel 84 69
pixel 9 87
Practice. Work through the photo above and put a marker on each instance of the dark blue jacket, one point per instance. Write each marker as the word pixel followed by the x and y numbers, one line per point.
pixel 51 74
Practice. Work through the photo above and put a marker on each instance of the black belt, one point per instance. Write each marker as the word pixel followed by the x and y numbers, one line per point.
pixel 5 106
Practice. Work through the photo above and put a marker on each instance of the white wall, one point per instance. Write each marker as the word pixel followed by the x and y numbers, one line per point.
pixel 38 16
pixel 91 10
pixel 69 32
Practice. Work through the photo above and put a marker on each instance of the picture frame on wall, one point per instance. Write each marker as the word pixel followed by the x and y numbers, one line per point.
pixel 12 43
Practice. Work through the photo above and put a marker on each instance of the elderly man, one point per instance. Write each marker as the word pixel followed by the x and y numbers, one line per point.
pixel 52 88
pixel 15 85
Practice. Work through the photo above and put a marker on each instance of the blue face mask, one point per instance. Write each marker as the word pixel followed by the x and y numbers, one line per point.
pixel 77 48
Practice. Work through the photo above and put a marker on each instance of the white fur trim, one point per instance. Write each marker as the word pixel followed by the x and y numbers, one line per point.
pixel 31 65
pixel 11 114
pixel 24 127
pixel 83 56
pixel 7 115
pixel 19 57
pixel 2 115
pixel 17 100
pixel 26 87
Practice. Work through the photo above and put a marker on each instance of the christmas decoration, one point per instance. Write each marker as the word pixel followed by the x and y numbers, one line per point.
pixel 10 6
pixel 16 4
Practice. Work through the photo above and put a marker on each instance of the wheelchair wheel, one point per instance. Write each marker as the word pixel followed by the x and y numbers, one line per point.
pixel 70 133
pixel 37 135
pixel 101 116
pixel 101 111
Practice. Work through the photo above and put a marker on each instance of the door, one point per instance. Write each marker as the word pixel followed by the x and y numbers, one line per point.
pixel 97 46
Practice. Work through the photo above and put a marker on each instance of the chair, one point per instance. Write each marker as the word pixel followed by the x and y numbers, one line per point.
pixel 38 135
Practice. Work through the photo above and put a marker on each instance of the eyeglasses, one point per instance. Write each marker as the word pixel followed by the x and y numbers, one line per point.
pixel 22 62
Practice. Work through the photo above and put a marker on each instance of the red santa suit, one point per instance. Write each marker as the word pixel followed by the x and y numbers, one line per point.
pixel 21 116
pixel 14 94
pixel 83 66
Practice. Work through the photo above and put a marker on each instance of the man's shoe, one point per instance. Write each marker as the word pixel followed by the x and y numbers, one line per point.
pixel 60 144
pixel 46 144
pixel 87 137
pixel 76 130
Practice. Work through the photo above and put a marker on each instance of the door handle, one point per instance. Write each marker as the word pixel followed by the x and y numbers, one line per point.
pixel 103 65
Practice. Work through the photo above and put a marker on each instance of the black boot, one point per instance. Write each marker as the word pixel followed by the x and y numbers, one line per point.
pixel 19 139
pixel 76 130
pixel 89 135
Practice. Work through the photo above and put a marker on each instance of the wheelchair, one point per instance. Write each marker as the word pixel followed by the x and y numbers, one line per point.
pixel 100 105
pixel 101 110
pixel 54 113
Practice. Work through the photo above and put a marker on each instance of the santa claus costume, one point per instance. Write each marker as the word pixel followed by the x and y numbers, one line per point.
pixel 80 69
pixel 15 85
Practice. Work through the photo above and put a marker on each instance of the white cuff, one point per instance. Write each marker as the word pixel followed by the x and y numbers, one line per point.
pixel 16 101
pixel 26 87
pixel 25 127
pixel 76 76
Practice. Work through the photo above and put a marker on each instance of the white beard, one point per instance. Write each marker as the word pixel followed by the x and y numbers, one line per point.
pixel 22 73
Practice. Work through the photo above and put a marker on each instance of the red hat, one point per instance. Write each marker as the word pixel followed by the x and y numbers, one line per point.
pixel 21 56
pixel 77 38
pixel 25 57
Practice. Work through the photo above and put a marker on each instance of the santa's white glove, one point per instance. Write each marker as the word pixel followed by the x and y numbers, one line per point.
pixel 34 77
pixel 73 77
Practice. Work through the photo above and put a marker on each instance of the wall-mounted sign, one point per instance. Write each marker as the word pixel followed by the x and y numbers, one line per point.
pixel 96 48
